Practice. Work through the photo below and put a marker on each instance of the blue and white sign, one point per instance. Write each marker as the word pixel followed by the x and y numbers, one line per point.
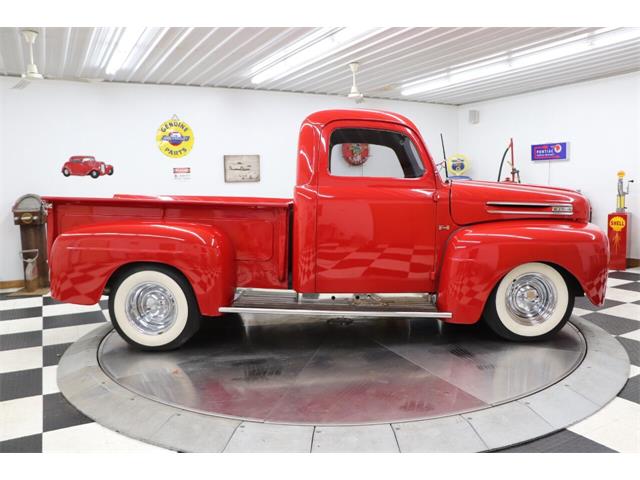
pixel 550 151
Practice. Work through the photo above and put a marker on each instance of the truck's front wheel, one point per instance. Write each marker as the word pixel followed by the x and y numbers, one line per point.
pixel 531 302
pixel 153 308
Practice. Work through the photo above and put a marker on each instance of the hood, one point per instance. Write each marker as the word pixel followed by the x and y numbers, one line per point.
pixel 475 202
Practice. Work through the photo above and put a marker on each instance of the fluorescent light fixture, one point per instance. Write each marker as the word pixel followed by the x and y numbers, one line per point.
pixel 126 44
pixel 534 56
pixel 312 47
pixel 610 36
pixel 109 46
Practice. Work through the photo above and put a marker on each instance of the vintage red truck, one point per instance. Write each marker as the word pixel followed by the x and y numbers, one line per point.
pixel 388 239
pixel 86 165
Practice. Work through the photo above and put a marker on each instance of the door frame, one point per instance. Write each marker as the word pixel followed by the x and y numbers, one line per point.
pixel 429 181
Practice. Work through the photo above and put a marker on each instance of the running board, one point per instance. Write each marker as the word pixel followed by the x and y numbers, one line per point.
pixel 288 302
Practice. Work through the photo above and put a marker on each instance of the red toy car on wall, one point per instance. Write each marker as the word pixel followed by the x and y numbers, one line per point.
pixel 387 238
pixel 86 165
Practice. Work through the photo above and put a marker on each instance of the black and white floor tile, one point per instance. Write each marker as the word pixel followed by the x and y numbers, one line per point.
pixel 34 416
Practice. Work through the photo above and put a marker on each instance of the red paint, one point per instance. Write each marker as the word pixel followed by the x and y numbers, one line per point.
pixel 86 257
pixel 617 228
pixel 85 165
pixel 469 201
pixel 348 234
pixel 478 256
pixel 368 239
pixel 90 238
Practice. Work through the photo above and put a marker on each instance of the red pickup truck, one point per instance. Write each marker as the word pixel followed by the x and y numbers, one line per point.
pixel 386 237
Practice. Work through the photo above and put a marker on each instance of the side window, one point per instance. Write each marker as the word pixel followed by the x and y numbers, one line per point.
pixel 360 152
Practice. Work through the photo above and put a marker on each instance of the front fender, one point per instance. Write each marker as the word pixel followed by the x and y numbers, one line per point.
pixel 477 257
pixel 82 260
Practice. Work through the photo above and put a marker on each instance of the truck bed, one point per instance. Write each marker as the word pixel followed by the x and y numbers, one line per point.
pixel 258 227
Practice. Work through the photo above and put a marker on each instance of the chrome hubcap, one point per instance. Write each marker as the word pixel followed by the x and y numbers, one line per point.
pixel 531 299
pixel 151 308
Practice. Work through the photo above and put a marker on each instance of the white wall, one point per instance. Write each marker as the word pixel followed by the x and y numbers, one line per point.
pixel 382 161
pixel 41 126
pixel 600 120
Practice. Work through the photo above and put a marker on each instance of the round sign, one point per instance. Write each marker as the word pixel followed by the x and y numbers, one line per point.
pixel 458 164
pixel 355 153
pixel 617 223
pixel 175 138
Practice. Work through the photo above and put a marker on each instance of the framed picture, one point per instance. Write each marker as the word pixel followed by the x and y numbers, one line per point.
pixel 241 168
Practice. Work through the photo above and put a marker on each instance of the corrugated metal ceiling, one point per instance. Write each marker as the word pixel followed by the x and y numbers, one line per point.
pixel 389 57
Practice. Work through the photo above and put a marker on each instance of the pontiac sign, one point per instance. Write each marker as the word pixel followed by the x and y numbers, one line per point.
pixel 550 151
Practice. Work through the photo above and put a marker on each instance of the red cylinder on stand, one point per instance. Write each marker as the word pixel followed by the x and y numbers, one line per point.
pixel 617 228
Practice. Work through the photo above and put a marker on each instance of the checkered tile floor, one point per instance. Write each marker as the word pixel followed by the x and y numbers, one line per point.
pixel 34 417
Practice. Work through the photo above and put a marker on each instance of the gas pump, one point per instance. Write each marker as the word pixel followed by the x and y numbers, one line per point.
pixel 30 213
pixel 618 226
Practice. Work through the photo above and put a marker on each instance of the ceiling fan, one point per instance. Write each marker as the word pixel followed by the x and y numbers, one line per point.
pixel 358 96
pixel 32 73
pixel 355 93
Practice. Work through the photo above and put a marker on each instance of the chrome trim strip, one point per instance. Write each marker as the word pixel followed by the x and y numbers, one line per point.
pixel 328 295
pixel 319 297
pixel 529 212
pixel 329 298
pixel 266 290
pixel 335 313
pixel 527 204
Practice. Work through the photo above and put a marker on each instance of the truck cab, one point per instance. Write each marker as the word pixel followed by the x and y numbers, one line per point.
pixel 372 230
pixel 375 223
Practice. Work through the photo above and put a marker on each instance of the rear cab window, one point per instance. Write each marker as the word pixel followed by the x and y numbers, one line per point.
pixel 362 152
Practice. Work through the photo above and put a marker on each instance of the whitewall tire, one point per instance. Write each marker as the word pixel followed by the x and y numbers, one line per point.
pixel 153 308
pixel 531 302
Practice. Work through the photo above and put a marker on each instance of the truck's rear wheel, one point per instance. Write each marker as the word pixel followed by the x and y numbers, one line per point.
pixel 531 302
pixel 153 308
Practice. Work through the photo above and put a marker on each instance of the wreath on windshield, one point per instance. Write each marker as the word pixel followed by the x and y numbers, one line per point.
pixel 355 153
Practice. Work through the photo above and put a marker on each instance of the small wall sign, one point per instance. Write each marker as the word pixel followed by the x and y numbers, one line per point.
pixel 550 151
pixel 86 165
pixel 241 168
pixel 174 138
pixel 182 173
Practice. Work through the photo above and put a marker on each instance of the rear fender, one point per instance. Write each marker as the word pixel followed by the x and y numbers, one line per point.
pixel 83 260
pixel 477 257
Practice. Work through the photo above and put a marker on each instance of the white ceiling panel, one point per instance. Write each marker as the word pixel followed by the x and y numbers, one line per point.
pixel 389 58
